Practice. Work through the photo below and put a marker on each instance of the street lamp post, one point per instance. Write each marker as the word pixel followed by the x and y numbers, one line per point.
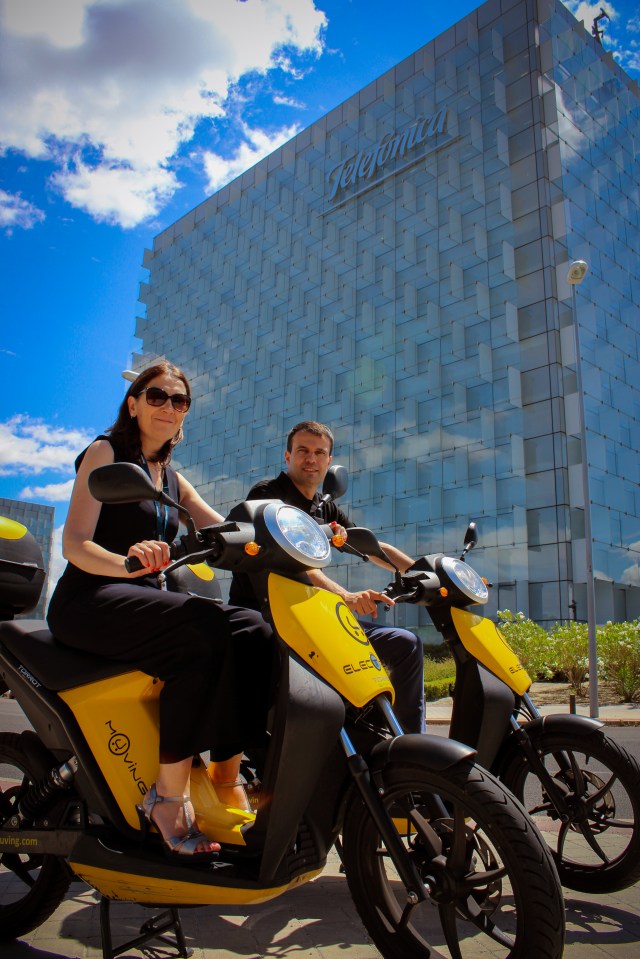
pixel 577 272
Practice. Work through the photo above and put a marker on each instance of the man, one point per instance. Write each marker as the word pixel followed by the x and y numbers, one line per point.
pixel 308 457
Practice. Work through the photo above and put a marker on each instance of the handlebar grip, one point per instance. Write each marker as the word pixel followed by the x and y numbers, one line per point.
pixel 132 564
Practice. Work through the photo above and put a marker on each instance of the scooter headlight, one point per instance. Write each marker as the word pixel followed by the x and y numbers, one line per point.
pixel 466 579
pixel 297 534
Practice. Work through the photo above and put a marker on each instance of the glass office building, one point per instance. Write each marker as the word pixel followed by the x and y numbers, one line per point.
pixel 38 519
pixel 398 271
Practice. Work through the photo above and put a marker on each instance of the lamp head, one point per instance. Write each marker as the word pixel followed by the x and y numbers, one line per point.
pixel 577 272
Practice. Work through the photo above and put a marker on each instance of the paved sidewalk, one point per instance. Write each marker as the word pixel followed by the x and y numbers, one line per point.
pixel 316 921
pixel 622 714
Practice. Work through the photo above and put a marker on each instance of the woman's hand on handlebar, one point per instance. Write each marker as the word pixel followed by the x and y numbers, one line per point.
pixel 149 556
pixel 365 602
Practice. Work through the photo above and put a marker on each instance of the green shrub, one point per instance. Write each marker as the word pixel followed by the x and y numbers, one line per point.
pixel 619 658
pixel 439 676
pixel 438 689
pixel 530 642
pixel 437 670
pixel 564 651
pixel 571 651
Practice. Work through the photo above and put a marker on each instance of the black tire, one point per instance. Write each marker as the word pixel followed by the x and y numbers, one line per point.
pixel 492 880
pixel 599 849
pixel 31 887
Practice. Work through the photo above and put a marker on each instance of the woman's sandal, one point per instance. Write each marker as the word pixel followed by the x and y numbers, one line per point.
pixel 230 785
pixel 185 847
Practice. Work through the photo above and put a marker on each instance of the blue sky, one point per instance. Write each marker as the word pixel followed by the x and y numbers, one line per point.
pixel 116 118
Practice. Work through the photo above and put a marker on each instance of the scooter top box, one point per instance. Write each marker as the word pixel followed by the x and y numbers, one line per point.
pixel 21 569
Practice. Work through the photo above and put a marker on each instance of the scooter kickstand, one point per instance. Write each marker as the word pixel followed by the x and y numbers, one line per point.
pixel 151 929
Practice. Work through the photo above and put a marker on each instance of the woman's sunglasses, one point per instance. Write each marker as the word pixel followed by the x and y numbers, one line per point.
pixel 157 397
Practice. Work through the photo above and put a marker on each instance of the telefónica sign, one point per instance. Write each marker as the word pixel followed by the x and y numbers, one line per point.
pixel 367 163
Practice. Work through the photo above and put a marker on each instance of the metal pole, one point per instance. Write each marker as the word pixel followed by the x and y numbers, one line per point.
pixel 591 593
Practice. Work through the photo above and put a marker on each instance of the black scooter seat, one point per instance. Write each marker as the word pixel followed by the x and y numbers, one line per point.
pixel 56 666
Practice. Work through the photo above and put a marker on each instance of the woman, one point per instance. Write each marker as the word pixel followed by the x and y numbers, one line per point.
pixel 186 641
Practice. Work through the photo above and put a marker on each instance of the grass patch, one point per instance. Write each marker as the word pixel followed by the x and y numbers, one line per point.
pixel 439 676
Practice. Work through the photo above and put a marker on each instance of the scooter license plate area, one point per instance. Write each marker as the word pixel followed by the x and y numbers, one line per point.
pixel 327 636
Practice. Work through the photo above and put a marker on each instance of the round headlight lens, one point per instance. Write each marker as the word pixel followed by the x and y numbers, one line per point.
pixel 297 534
pixel 466 579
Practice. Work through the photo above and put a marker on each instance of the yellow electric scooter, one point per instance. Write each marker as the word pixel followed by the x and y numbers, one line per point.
pixel 437 854
pixel 578 784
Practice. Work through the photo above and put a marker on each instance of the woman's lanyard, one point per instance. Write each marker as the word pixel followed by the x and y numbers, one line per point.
pixel 162 511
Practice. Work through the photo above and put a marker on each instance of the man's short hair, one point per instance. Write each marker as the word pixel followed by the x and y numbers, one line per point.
pixel 310 426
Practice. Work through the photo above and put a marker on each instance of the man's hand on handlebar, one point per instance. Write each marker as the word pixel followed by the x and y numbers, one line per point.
pixel 364 602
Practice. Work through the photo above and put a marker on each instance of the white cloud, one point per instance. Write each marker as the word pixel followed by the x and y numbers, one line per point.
pixel 115 194
pixel 110 90
pixel 50 493
pixel 631 575
pixel 42 18
pixel 587 12
pixel 31 447
pixel 221 170
pixel 17 213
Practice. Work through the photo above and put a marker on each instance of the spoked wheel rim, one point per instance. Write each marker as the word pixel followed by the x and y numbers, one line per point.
pixel 31 886
pixel 603 824
pixel 469 885
pixel 19 872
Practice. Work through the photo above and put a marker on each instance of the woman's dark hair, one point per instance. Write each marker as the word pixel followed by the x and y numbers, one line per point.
pixel 126 432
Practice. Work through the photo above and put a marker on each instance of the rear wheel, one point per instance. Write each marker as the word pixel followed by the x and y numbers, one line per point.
pixel 491 879
pixel 598 849
pixel 31 887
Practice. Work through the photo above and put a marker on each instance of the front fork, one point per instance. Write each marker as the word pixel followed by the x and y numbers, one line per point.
pixel 536 762
pixel 405 867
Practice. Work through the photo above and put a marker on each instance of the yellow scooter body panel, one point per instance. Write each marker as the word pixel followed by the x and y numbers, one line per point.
pixel 324 633
pixel 131 887
pixel 119 719
pixel 485 643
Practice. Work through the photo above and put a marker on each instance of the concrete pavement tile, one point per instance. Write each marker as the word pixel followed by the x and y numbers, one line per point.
pixel 602 926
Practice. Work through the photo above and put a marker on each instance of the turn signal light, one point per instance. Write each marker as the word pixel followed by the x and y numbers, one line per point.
pixel 251 549
pixel 443 591
pixel 338 540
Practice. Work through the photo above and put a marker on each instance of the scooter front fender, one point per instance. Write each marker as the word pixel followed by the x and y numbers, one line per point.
pixel 559 723
pixel 432 752
pixel 566 725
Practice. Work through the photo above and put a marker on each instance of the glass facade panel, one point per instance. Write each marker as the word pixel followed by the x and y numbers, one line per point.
pixel 398 270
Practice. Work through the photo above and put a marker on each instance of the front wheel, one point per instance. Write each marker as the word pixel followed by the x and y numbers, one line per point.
pixel 490 877
pixel 31 887
pixel 596 845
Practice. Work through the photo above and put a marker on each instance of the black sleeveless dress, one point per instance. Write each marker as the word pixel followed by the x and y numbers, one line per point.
pixel 214 659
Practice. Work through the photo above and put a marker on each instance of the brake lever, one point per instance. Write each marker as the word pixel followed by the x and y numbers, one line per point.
pixel 346 548
pixel 400 598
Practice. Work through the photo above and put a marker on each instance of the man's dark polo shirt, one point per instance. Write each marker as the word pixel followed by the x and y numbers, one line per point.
pixel 241 592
